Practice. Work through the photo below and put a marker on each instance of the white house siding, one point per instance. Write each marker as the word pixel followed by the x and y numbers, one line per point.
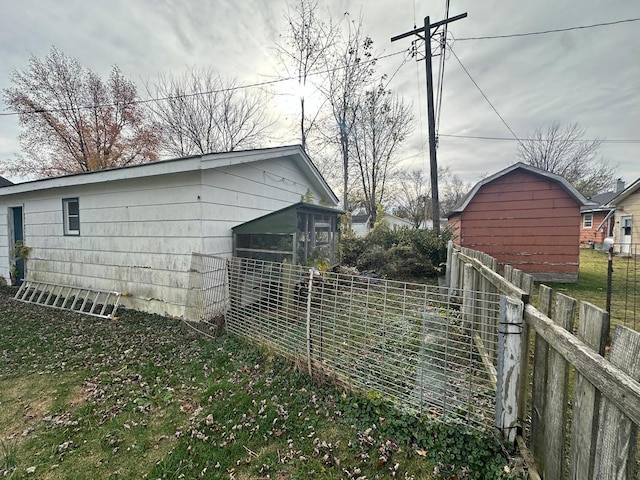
pixel 4 242
pixel 136 236
pixel 140 225
pixel 360 229
pixel 630 206
pixel 236 194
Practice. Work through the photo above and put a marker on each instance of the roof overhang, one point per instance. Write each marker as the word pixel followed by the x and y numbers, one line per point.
pixel 183 165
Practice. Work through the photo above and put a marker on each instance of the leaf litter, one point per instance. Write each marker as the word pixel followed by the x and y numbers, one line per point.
pixel 162 401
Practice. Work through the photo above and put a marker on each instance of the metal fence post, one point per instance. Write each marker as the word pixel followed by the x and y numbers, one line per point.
pixel 508 377
pixel 609 278
pixel 309 290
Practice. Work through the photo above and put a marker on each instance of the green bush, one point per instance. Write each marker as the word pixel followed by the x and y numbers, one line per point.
pixel 398 253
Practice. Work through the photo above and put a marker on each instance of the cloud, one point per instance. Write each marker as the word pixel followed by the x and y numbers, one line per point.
pixel 591 76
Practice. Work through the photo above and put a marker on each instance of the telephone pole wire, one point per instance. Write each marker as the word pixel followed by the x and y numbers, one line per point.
pixel 433 161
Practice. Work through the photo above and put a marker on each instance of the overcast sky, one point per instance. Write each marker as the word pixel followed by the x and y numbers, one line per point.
pixel 590 76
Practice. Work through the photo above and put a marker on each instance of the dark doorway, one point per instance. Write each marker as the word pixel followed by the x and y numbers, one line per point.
pixel 17 235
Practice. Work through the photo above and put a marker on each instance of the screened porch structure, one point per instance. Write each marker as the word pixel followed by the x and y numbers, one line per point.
pixel 302 233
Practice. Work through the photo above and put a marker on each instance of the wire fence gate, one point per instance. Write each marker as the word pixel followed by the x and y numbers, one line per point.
pixel 414 345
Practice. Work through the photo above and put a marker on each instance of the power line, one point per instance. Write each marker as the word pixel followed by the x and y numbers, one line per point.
pixel 544 32
pixel 443 46
pixel 423 142
pixel 509 139
pixel 404 60
pixel 195 94
pixel 485 97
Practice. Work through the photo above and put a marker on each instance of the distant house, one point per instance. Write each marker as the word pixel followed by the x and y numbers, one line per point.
pixel 360 224
pixel 428 224
pixel 626 232
pixel 525 217
pixel 4 182
pixel 134 229
pixel 598 218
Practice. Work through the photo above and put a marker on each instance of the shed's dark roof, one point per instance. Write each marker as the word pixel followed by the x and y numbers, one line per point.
pixel 603 198
pixel 4 182
pixel 282 221
pixel 598 202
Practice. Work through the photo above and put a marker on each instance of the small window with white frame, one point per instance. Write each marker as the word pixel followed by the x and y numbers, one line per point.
pixel 71 216
pixel 587 220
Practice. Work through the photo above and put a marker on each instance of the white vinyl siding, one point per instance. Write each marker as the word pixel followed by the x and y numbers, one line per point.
pixel 138 234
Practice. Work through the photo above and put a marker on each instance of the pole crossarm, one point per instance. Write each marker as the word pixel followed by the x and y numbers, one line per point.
pixel 433 162
pixel 433 25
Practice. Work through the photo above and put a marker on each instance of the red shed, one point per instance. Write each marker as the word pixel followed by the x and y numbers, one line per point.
pixel 525 217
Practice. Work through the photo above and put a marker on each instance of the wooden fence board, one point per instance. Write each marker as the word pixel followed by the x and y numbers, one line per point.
pixel 524 281
pixel 613 382
pixel 618 435
pixel 539 389
pixel 502 284
pixel 593 329
pixel 555 410
pixel 613 427
pixel 469 296
pixel 508 273
pixel 508 374
pixel 447 272
pixel 454 281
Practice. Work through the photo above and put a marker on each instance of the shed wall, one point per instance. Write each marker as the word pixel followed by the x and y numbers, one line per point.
pixel 527 221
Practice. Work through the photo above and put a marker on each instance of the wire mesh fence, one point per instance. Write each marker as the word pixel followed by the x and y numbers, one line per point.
pixel 410 344
pixel 625 287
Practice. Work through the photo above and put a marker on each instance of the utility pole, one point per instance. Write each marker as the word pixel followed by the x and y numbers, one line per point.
pixel 433 161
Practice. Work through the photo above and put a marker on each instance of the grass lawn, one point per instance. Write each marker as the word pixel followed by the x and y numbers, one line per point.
pixel 592 286
pixel 148 397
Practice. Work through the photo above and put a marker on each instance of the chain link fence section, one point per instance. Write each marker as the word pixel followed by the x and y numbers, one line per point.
pixel 407 343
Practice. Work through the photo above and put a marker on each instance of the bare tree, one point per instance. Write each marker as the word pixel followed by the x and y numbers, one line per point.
pixel 303 51
pixel 563 150
pixel 382 122
pixel 74 121
pixel 202 113
pixel 413 196
pixel 352 69
pixel 452 191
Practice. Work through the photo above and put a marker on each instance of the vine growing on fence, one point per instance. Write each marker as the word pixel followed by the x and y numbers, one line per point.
pixel 459 451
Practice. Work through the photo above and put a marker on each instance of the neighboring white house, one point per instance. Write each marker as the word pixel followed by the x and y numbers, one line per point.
pixel 133 229
pixel 360 223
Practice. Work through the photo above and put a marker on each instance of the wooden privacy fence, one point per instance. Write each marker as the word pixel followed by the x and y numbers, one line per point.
pixel 580 429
